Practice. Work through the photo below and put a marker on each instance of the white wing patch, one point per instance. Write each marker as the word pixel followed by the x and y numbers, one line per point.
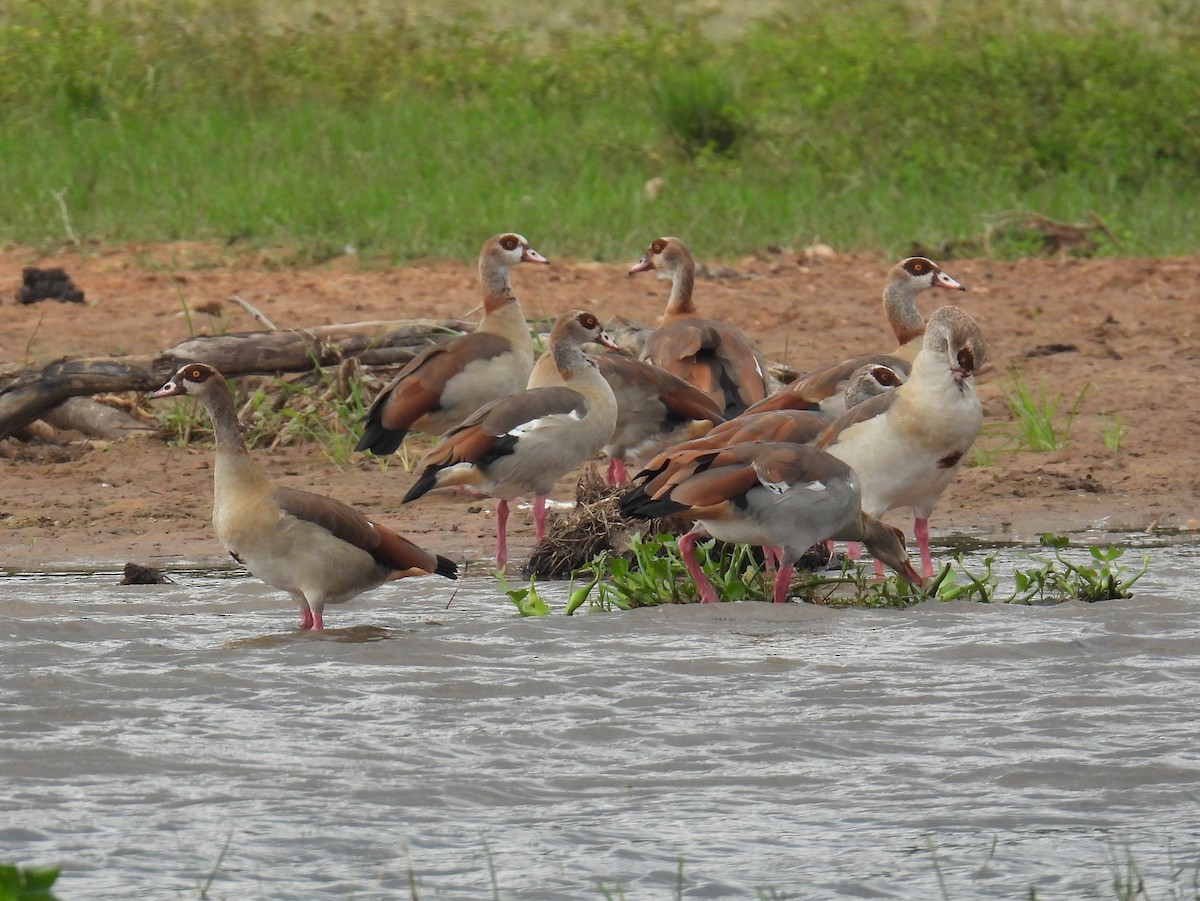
pixel 541 422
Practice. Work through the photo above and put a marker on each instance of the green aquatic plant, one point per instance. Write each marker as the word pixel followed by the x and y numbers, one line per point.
pixel 653 574
pixel 527 600
pixel 27 883
pixel 1045 581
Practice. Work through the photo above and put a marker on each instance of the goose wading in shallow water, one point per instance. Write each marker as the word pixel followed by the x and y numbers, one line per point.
pixel 713 355
pixel 317 549
pixel 521 445
pixel 774 494
pixel 446 383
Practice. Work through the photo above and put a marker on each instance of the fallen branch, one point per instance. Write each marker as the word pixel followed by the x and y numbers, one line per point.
pixel 27 394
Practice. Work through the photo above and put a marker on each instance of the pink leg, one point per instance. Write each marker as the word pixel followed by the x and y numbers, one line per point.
pixel 616 473
pixel 539 517
pixel 318 623
pixel 783 579
pixel 306 618
pixel 879 574
pixel 501 533
pixel 853 550
pixel 687 545
pixel 921 533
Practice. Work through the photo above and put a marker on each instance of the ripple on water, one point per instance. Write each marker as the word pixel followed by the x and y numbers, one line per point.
pixel 832 753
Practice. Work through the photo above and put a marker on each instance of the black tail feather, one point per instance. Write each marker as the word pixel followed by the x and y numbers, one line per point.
pixel 636 504
pixel 427 480
pixel 446 567
pixel 380 441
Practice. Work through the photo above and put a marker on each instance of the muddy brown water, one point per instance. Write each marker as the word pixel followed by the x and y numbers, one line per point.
pixel 154 738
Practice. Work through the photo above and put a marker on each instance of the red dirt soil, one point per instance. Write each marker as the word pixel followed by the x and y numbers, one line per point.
pixel 1130 324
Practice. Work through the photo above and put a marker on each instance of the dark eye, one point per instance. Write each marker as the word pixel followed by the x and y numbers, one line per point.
pixel 588 321
pixel 196 375
pixel 918 267
pixel 966 360
pixel 509 242
pixel 658 246
pixel 885 376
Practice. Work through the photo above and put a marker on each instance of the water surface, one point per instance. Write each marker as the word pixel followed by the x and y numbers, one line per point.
pixel 154 737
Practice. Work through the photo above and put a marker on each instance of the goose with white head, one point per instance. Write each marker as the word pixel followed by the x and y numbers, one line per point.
pixel 908 444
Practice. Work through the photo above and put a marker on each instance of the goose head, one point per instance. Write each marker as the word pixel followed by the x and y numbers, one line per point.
pixel 667 254
pixel 193 379
pixel 954 337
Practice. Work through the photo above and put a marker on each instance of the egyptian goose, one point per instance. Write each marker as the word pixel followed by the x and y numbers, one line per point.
pixel 714 356
pixel 446 383
pixel 520 445
pixel 775 494
pixel 907 444
pixel 905 282
pixel 822 388
pixel 655 410
pixel 797 426
pixel 317 549
pixel 835 388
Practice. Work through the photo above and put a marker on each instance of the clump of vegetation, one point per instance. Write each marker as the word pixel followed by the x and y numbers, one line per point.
pixel 1038 426
pixel 700 110
pixel 652 574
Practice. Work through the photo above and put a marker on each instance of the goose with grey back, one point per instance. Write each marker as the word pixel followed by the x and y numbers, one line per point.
pixel 521 445
pixel 715 356
pixel 907 444
pixel 317 549
pixel 774 494
pixel 447 382
pixel 795 426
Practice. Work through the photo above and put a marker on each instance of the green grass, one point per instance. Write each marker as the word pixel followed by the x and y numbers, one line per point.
pixel 876 126
pixel 1038 425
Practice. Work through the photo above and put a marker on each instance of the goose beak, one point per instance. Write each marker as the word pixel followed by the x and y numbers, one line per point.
pixel 942 280
pixel 604 341
pixel 529 255
pixel 910 575
pixel 170 389
pixel 641 266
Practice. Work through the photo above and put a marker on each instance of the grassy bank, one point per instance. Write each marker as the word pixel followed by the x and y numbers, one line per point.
pixel 882 126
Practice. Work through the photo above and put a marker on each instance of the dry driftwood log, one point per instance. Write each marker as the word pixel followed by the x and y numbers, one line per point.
pixel 27 394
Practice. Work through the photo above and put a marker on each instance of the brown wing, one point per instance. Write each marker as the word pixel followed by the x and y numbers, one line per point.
pixel 795 426
pixel 682 399
pixel 340 520
pixel 408 559
pixel 868 409
pixel 419 386
pixel 791 464
pixel 814 386
pixel 715 357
